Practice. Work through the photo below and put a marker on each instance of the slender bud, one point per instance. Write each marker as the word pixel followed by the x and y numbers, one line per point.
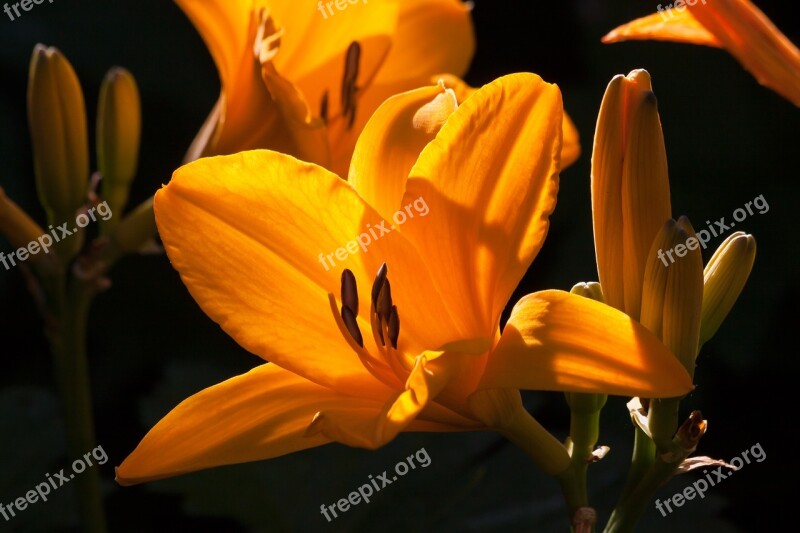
pixel 57 122
pixel 683 298
pixel 119 124
pixel 630 187
pixel 725 277
pixel 673 290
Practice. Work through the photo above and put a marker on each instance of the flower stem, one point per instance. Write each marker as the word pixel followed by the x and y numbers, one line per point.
pixel 68 343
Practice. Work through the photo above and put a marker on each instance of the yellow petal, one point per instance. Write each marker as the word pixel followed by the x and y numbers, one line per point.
pixel 431 36
pixel 498 154
pixel 369 429
pixel 388 147
pixel 571 146
pixel 243 232
pixel 559 341
pixel 676 25
pixel 748 34
pixel 308 135
pixel 258 415
pixel 736 25
pixel 645 196
pixel 228 29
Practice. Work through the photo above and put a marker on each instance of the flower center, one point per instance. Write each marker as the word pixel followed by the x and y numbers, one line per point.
pixel 392 367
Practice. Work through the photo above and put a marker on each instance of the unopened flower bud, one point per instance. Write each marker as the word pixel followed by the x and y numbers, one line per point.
pixel 725 277
pixel 119 124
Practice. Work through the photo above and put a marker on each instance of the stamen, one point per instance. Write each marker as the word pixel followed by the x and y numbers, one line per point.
pixel 380 277
pixel 352 325
pixel 323 107
pixel 349 291
pixel 268 37
pixel 384 308
pixel 394 327
pixel 351 65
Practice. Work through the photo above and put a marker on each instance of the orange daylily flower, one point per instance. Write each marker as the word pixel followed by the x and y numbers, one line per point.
pixel 735 25
pixel 303 81
pixel 468 190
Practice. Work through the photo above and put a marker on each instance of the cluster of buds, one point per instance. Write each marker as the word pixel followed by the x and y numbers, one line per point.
pixel 59 139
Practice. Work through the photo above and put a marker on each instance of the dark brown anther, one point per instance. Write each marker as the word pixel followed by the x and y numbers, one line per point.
pixel 349 291
pixel 384 308
pixel 377 285
pixel 351 65
pixel 394 326
pixel 350 322
pixel 323 107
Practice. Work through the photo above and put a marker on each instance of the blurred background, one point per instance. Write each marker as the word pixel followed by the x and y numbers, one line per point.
pixel 728 140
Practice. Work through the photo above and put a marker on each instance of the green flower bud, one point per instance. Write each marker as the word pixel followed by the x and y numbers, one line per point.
pixel 119 125
pixel 725 276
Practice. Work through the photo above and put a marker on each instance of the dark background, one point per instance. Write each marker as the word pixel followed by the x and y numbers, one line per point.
pixel 728 141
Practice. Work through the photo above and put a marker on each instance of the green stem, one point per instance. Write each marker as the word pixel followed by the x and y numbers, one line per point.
pixel 584 432
pixel 68 343
pixel 644 452
pixel 630 510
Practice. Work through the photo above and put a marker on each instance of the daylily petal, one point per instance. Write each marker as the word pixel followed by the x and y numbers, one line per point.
pixel 258 415
pixel 480 167
pixel 559 341
pixel 571 145
pixel 369 429
pixel 308 134
pixel 227 28
pixel 674 25
pixel 389 146
pixel 748 34
pixel 219 215
pixel 736 25
pixel 431 36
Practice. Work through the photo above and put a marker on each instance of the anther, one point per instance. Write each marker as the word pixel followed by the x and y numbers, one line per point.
pixel 323 107
pixel 351 65
pixel 394 326
pixel 349 291
pixel 350 322
pixel 384 307
pixel 377 285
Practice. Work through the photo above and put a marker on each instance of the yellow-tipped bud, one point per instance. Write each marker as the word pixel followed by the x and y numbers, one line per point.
pixel 119 125
pixel 630 187
pixel 57 122
pixel 30 241
pixel 673 290
pixel 590 289
pixel 725 276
